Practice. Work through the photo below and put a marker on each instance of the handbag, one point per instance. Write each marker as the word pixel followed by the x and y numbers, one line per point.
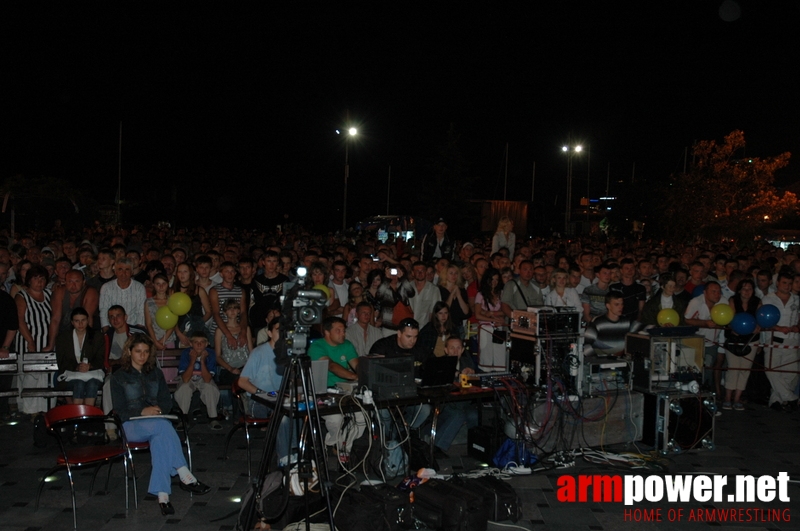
pixel 738 345
pixel 499 336
pixel 401 311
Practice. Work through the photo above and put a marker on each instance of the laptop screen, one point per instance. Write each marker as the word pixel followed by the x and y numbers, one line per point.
pixel 439 370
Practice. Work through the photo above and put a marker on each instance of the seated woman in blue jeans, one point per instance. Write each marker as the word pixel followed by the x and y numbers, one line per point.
pixel 80 351
pixel 138 389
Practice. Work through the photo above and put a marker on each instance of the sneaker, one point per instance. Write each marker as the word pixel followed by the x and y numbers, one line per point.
pixel 776 406
pixel 718 413
pixel 215 425
pixel 738 406
pixel 727 405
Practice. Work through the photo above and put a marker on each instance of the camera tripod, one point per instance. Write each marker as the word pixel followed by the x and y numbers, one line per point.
pixel 299 367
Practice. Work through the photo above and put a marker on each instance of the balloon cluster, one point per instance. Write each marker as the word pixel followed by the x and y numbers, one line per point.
pixel 178 304
pixel 744 323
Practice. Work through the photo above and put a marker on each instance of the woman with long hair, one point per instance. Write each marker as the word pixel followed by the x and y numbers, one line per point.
pixel 489 313
pixel 162 339
pixel 374 280
pixel 504 238
pixel 200 311
pixel 433 335
pixel 80 349
pixel 138 389
pixel 452 291
pixel 355 294
pixel 744 301
pixel 663 299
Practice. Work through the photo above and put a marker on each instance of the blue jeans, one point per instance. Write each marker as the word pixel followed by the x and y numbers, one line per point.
pixel 415 416
pixel 84 389
pixel 283 443
pixel 166 452
pixel 451 418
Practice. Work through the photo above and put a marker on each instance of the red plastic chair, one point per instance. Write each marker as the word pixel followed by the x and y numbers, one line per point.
pixel 245 421
pixel 76 457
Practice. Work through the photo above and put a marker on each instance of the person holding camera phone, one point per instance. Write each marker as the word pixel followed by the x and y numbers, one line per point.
pixel 393 296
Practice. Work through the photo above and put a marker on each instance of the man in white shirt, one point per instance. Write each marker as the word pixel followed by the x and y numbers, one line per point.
pixel 363 334
pixel 340 285
pixel 783 356
pixel 425 294
pixel 125 292
pixel 698 313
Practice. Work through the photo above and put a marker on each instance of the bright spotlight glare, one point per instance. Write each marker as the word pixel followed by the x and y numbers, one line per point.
pixel 50 479
pixel 352 131
pixel 301 271
pixel 564 149
pixel 338 133
pixel 236 500
pixel 578 148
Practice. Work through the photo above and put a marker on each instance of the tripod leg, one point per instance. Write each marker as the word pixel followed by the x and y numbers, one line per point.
pixel 268 455
pixel 315 430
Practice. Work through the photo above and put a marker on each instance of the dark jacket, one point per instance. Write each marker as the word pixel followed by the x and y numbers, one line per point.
pixel 92 350
pixel 429 247
pixel 653 306
pixel 132 391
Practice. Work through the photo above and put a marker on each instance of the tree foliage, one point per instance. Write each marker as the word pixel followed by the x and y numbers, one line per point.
pixel 725 194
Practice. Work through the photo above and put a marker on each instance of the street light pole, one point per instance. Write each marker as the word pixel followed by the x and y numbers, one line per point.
pixel 350 132
pixel 568 211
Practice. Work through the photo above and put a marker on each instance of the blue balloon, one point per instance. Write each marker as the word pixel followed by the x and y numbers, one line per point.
pixel 698 290
pixel 743 323
pixel 768 316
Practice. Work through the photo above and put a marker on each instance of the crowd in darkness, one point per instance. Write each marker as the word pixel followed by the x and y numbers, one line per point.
pixel 121 277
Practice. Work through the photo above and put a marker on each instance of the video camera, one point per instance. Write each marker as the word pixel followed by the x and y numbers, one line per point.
pixel 302 308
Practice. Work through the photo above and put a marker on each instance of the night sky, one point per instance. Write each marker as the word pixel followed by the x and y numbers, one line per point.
pixel 229 111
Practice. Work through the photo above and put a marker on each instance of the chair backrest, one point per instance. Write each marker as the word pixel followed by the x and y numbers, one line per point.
pixel 72 412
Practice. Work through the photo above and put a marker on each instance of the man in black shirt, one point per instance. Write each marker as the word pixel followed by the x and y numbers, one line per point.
pixel 404 343
pixel 266 290
pixel 634 294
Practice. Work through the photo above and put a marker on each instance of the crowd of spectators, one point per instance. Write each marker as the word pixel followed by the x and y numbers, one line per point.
pixel 452 288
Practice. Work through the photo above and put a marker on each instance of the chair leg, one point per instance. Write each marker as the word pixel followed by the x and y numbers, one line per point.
pixel 108 476
pixel 247 442
pixel 41 486
pixel 129 460
pixel 228 438
pixel 74 503
pixel 127 493
pixel 94 477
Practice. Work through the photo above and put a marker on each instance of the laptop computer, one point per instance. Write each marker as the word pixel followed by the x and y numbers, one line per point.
pixel 438 374
pixel 319 374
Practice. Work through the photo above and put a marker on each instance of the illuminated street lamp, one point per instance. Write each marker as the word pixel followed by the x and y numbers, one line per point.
pixel 571 152
pixel 350 133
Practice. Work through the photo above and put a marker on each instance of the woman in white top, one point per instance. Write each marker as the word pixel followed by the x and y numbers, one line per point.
pixel 560 294
pixel 504 238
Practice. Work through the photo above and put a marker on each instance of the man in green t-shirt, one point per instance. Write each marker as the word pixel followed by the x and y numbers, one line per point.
pixel 340 353
pixel 342 364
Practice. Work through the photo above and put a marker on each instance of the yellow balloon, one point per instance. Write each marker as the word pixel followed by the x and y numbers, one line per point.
pixel 165 318
pixel 179 303
pixel 324 289
pixel 668 316
pixel 722 314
